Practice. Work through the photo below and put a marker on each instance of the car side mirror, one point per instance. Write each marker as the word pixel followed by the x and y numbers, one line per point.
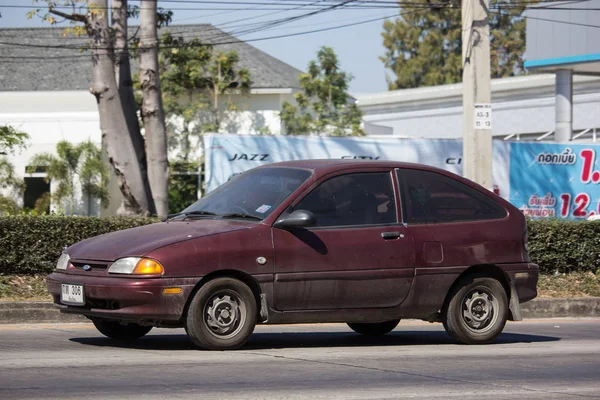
pixel 297 219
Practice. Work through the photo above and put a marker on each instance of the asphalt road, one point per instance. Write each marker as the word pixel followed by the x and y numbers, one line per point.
pixel 552 359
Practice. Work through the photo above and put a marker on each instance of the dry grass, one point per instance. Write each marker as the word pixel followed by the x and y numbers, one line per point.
pixel 575 284
pixel 22 287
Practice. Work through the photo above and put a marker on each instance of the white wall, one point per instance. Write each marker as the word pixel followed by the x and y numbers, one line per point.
pixel 525 116
pixel 520 105
pixel 49 117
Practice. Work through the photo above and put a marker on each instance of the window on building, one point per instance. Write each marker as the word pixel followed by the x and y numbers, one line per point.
pixel 429 197
pixel 352 199
pixel 36 190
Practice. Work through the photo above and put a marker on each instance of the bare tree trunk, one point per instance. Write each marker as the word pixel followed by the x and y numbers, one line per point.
pixel 119 146
pixel 125 85
pixel 152 108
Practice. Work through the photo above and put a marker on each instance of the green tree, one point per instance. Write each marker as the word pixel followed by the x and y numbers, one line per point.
pixel 11 139
pixel 424 47
pixel 324 105
pixel 197 83
pixel 11 186
pixel 224 77
pixel 195 79
pixel 75 164
pixel 182 74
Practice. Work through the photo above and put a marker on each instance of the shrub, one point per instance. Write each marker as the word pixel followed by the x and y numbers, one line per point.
pixel 32 245
pixel 565 246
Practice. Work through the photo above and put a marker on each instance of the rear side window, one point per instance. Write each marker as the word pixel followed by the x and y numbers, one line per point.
pixel 352 199
pixel 429 197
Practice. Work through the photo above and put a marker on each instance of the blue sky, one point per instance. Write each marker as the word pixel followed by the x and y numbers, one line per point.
pixel 358 47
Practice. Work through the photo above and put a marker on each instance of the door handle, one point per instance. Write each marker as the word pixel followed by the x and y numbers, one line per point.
pixel 391 235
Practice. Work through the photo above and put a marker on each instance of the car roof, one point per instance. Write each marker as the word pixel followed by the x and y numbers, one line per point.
pixel 323 166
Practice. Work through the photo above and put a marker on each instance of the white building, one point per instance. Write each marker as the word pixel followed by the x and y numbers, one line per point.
pixel 523 108
pixel 44 81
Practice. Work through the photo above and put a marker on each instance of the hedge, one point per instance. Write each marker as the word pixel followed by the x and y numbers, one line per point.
pixel 564 246
pixel 31 245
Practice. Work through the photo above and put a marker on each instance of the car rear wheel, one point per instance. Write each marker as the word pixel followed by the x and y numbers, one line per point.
pixel 221 315
pixel 477 310
pixel 116 330
pixel 374 329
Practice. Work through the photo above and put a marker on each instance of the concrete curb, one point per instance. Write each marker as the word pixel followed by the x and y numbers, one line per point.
pixel 19 312
pixel 553 308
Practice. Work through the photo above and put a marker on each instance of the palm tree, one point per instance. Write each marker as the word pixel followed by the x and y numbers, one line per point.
pixel 80 163
pixel 11 184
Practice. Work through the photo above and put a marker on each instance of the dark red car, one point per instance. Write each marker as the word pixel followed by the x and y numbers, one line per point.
pixel 361 242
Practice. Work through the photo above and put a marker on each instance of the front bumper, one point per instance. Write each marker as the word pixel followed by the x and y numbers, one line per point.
pixel 125 298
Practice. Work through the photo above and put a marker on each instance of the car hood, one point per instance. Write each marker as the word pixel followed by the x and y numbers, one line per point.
pixel 143 239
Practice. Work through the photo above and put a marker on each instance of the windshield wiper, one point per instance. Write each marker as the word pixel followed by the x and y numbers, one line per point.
pixel 240 215
pixel 190 213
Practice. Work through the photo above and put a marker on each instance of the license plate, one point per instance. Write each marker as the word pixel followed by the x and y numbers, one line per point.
pixel 72 294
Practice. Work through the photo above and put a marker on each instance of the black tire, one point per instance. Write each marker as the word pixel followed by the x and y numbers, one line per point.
pixel 477 310
pixel 374 329
pixel 116 330
pixel 221 315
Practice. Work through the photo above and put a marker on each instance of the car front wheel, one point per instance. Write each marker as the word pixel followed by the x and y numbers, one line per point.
pixel 374 329
pixel 221 315
pixel 116 330
pixel 477 310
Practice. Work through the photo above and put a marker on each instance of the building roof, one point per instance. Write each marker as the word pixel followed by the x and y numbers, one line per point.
pixel 35 59
pixel 503 89
pixel 523 105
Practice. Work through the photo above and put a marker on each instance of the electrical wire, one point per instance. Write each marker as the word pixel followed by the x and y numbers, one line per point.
pixel 247 29
pixel 79 56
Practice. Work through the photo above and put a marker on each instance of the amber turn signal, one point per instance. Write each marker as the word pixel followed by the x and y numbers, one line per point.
pixel 172 290
pixel 147 266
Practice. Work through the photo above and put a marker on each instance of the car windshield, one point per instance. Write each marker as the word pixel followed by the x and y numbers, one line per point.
pixel 252 195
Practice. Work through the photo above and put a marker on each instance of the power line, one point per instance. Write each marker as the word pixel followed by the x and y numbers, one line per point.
pixel 277 22
pixel 267 6
pixel 6 58
pixel 250 30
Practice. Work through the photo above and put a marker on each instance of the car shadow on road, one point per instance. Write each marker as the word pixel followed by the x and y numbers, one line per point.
pixel 265 341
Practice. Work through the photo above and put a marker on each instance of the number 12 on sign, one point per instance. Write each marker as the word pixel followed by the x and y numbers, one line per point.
pixel 582 201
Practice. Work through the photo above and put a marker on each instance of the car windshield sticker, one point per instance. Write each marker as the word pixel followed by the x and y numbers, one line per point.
pixel 263 209
pixel 421 195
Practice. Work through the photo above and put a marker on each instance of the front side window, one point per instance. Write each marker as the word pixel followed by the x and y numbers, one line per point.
pixel 352 199
pixel 255 193
pixel 429 197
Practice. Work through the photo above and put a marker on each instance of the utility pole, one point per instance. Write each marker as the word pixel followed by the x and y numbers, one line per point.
pixel 477 111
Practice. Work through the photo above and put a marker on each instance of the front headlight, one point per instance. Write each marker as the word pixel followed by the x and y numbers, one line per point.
pixel 136 266
pixel 63 262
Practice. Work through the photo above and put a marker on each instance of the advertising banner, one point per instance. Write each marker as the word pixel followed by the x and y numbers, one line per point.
pixel 227 155
pixel 554 180
pixel 544 180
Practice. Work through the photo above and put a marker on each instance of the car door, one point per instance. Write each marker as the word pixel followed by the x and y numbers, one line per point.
pixel 357 255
